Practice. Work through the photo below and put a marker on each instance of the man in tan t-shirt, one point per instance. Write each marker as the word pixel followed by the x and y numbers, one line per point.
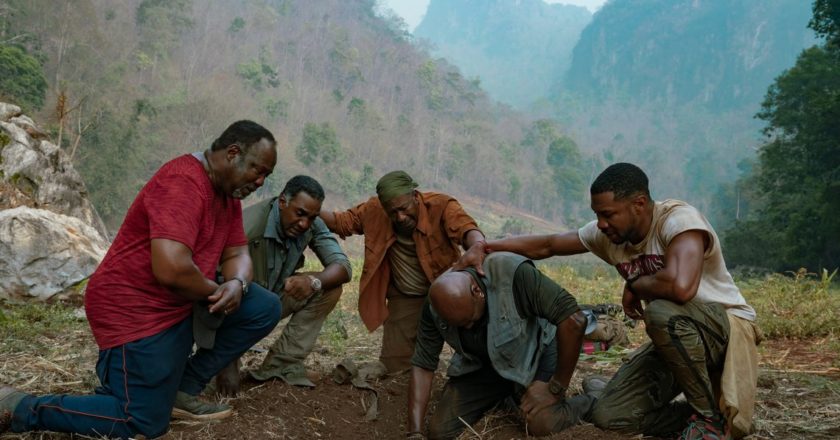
pixel 676 280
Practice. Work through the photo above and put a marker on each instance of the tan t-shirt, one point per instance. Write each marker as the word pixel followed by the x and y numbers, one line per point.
pixel 671 218
pixel 406 273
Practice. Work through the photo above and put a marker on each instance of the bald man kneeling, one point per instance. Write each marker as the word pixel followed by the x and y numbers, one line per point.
pixel 515 334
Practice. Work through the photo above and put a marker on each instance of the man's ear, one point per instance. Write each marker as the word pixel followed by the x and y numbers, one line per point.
pixel 639 202
pixel 282 201
pixel 233 150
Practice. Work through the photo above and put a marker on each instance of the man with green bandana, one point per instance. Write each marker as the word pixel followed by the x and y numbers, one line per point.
pixel 411 237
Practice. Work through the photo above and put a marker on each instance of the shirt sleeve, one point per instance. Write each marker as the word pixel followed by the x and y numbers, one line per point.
pixel 457 222
pixel 536 295
pixel 685 218
pixel 349 222
pixel 236 234
pixel 326 247
pixel 595 241
pixel 175 207
pixel 429 341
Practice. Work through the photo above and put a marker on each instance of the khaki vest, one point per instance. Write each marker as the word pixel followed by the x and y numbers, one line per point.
pixel 514 344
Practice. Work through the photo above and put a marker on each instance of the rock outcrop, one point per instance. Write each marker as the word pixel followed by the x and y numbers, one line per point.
pixel 43 253
pixel 51 237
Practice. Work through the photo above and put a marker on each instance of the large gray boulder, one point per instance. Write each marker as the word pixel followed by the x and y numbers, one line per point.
pixel 51 237
pixel 43 253
pixel 36 173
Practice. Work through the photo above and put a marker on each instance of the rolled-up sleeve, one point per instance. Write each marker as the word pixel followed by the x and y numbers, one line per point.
pixel 537 295
pixel 429 341
pixel 457 221
pixel 326 247
pixel 349 222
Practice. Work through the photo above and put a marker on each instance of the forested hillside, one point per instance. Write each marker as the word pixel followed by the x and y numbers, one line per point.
pixel 675 85
pixel 518 48
pixel 789 198
pixel 132 84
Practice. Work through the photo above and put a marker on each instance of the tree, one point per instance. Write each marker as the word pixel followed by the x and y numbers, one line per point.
pixel 797 179
pixel 319 144
pixel 21 78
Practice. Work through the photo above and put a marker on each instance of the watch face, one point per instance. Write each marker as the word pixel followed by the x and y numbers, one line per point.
pixel 316 284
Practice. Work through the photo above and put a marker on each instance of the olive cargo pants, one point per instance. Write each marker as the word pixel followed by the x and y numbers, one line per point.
pixel 686 352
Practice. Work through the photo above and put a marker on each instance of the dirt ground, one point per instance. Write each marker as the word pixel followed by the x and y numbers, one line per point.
pixel 798 391
pixel 799 398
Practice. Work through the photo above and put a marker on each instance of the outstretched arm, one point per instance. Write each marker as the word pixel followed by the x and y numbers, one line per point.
pixel 535 247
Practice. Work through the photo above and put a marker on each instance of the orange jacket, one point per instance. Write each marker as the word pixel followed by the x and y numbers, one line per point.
pixel 441 226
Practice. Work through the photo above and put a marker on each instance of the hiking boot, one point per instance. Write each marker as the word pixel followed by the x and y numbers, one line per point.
pixel 192 408
pixel 9 400
pixel 704 428
pixel 594 385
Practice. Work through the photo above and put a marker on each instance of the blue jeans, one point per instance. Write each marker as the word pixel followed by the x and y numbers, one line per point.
pixel 139 380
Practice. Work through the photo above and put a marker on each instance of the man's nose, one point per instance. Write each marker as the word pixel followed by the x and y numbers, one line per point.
pixel 260 181
pixel 602 224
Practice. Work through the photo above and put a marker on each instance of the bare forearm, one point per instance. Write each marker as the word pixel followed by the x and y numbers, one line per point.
pixel 332 276
pixel 665 284
pixel 472 237
pixel 569 340
pixel 419 390
pixel 238 266
pixel 188 282
pixel 535 247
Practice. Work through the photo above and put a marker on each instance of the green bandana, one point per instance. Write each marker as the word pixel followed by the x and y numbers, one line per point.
pixel 394 184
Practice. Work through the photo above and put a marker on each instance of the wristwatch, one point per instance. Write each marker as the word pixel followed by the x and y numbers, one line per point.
pixel 244 284
pixel 315 284
pixel 556 388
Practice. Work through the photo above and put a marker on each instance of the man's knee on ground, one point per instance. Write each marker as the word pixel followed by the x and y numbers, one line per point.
pixel 606 416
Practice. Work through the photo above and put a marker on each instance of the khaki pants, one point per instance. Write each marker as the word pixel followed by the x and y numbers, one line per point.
pixel 400 330
pixel 687 349
pixel 301 332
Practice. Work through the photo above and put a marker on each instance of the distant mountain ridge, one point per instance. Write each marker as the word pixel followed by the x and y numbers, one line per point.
pixel 518 48
pixel 722 54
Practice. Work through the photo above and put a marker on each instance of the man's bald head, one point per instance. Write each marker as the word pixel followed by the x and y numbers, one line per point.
pixel 457 299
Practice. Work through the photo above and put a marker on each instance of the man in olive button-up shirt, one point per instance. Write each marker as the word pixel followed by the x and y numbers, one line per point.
pixel 279 230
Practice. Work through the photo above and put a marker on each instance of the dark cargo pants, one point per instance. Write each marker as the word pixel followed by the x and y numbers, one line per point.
pixel 465 399
pixel 687 349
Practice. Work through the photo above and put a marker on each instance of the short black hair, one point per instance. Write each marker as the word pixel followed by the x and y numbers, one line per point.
pixel 623 180
pixel 243 133
pixel 303 183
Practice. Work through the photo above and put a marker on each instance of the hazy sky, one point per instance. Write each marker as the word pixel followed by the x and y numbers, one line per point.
pixel 412 10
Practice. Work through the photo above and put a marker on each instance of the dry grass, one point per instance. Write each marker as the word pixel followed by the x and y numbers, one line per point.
pixel 49 349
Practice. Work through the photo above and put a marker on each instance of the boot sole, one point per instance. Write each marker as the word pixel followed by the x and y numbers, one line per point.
pixel 186 415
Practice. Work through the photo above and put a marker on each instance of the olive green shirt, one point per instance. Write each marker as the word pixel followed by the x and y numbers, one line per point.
pixel 276 256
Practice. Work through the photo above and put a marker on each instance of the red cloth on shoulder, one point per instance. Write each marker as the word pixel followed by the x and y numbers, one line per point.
pixel 124 302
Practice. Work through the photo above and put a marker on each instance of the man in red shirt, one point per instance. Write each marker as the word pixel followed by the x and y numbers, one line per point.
pixel 159 272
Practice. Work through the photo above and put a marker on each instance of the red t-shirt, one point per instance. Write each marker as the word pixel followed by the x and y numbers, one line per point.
pixel 124 302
